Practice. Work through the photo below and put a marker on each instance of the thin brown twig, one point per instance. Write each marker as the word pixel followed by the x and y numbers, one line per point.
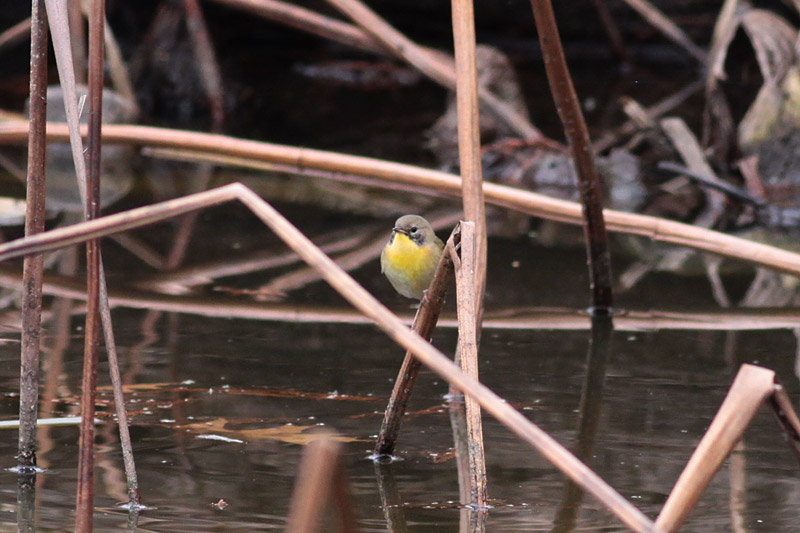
pixel 657 229
pixel 668 28
pixel 84 507
pixel 576 132
pixel 310 21
pixel 117 69
pixel 424 324
pixel 612 30
pixel 372 308
pixel 34 223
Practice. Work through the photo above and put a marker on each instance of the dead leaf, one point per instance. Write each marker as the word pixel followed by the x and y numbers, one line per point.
pixel 289 433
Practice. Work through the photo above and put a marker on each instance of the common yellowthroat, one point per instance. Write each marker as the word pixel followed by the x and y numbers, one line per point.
pixel 410 257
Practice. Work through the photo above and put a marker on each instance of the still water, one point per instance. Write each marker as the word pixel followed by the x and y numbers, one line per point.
pixel 221 409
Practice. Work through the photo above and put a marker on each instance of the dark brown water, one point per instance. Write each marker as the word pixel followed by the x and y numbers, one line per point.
pixel 221 409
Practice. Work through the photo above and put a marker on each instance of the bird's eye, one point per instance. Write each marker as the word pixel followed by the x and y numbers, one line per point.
pixel 413 229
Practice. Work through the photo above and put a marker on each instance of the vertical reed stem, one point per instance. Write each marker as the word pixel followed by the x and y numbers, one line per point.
pixel 468 346
pixel 569 110
pixel 85 495
pixel 34 223
pixel 469 140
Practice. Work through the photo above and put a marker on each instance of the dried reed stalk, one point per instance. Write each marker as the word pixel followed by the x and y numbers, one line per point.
pixel 118 71
pixel 34 223
pixel 577 134
pixel 64 60
pixel 84 505
pixel 469 144
pixel 751 387
pixel 181 280
pixel 657 229
pixel 424 324
pixel 468 323
pixel 320 479
pixel 362 300
pixel 471 268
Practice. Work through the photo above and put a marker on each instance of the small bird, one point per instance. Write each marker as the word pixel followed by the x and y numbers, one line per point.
pixel 410 257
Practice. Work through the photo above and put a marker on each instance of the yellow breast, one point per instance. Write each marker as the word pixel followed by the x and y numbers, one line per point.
pixel 409 266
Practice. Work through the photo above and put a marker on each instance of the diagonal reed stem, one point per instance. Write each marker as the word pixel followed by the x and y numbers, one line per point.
pixel 751 387
pixel 424 324
pixel 84 506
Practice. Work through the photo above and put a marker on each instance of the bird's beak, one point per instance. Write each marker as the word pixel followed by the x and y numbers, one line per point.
pixel 400 230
